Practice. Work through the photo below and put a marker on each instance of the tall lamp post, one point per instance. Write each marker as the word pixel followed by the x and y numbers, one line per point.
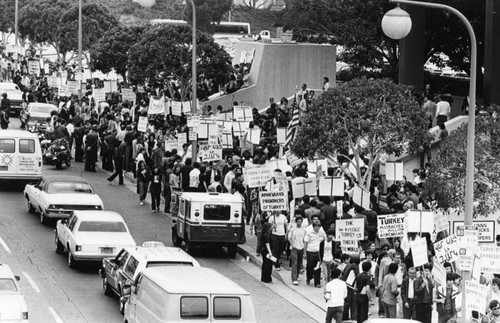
pixel 194 97
pixel 80 47
pixel 396 24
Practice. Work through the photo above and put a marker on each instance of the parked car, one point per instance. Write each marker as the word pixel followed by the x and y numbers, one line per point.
pixel 124 268
pixel 13 306
pixel 92 236
pixel 37 114
pixel 56 197
pixel 14 94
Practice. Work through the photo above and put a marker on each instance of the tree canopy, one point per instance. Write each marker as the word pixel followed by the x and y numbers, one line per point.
pixel 367 117
pixel 207 12
pixel 445 182
pixel 165 50
pixel 355 25
pixel 111 51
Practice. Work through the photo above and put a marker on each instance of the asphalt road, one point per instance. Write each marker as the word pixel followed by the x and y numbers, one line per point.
pixel 56 293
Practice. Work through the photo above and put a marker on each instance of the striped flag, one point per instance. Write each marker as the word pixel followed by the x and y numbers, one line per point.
pixel 293 127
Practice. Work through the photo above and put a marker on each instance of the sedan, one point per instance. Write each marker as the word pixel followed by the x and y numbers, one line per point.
pixel 14 94
pixel 56 197
pixel 12 303
pixel 36 115
pixel 92 236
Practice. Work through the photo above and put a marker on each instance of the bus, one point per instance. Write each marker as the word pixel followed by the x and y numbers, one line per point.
pixel 224 29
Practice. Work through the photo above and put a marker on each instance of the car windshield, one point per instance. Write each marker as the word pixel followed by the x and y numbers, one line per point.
pixel 42 109
pixel 7 284
pixel 102 226
pixel 68 188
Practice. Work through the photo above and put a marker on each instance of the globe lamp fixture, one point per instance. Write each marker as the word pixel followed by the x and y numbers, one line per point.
pixel 145 3
pixel 396 23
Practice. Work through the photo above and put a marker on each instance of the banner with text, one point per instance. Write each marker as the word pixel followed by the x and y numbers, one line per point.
pixel 391 225
pixel 273 201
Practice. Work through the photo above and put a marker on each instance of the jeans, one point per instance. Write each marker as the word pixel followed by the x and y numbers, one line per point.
pixel 334 313
pixel 363 307
pixel 312 262
pixel 278 245
pixel 297 256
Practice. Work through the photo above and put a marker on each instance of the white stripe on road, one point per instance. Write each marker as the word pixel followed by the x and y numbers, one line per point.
pixel 4 245
pixel 54 314
pixel 32 282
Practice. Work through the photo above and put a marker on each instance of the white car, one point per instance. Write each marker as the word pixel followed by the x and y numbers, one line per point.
pixel 57 196
pixel 92 236
pixel 12 304
pixel 14 94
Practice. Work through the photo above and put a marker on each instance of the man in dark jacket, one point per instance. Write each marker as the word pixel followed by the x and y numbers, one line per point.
pixel 408 294
pixel 351 301
pixel 111 142
pixel 118 158
pixel 91 147
pixel 423 296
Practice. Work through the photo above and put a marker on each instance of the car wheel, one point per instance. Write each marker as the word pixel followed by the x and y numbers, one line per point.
pixel 231 251
pixel 106 287
pixel 68 163
pixel 176 240
pixel 71 260
pixel 59 246
pixel 31 209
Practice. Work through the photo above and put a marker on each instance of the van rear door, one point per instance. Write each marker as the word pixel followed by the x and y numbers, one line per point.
pixel 8 160
pixel 29 157
pixel 227 308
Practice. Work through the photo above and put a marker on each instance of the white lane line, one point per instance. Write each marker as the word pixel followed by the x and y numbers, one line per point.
pixel 4 245
pixel 54 314
pixel 31 281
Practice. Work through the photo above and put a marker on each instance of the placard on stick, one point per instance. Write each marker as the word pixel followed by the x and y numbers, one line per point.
pixel 142 125
pixel 391 225
pixel 394 171
pixel 257 176
pixel 210 151
pixel 273 201
pixel 361 197
pixel 303 186
pixel 419 251
pixel 331 186
pixel 281 135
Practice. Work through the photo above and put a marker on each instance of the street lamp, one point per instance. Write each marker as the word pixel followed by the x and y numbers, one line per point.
pixel 80 36
pixel 389 30
pixel 194 106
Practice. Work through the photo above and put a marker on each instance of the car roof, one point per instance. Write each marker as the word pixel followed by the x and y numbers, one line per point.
pixel 5 271
pixel 98 215
pixel 17 134
pixel 64 178
pixel 212 197
pixel 10 84
pixel 160 254
pixel 192 280
pixel 42 105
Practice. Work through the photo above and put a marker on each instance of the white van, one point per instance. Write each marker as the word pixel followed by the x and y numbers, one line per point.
pixel 186 294
pixel 20 155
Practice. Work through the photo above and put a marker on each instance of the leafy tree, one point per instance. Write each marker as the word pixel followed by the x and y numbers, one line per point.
pixel 369 117
pixel 96 21
pixel 446 180
pixel 207 12
pixel 111 51
pixel 255 4
pixel 166 50
pixel 40 22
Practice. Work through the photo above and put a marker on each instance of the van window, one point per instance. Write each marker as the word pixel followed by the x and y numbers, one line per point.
pixel 194 307
pixel 217 212
pixel 226 308
pixel 26 146
pixel 131 266
pixel 7 146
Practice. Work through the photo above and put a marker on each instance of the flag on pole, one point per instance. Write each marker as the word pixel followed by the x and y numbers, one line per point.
pixel 293 127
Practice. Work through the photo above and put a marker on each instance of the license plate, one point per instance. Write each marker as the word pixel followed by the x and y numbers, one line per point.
pixel 107 250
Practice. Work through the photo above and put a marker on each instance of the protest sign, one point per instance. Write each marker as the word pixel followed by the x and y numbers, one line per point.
pixel 176 107
pixel 128 95
pixel 490 259
pixel 420 221
pixel 257 176
pixel 293 160
pixel 303 186
pixel 439 272
pixel 171 143
pixel 314 165
pixel 210 151
pixel 441 221
pixel 273 201
pixel 34 67
pixel 253 135
pixel 475 298
pixel 275 164
pixel 331 186
pixel 240 128
pixel 52 81
pixel 156 105
pixel 352 229
pixel 349 246
pixel 281 135
pixel 227 140
pixel 243 113
pixel 142 125
pixel 391 225
pixel 419 251
pixel 62 90
pixel 225 126
pixel 361 197
pixel 207 129
pixel 181 140
pixel 99 95
pixel 447 249
pixel 486 230
pixel 394 171
pixel 73 87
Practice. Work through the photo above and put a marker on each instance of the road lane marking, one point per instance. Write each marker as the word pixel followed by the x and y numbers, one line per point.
pixel 31 281
pixel 4 245
pixel 54 315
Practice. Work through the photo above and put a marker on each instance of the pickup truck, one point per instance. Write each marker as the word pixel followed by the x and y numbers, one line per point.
pixel 123 269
